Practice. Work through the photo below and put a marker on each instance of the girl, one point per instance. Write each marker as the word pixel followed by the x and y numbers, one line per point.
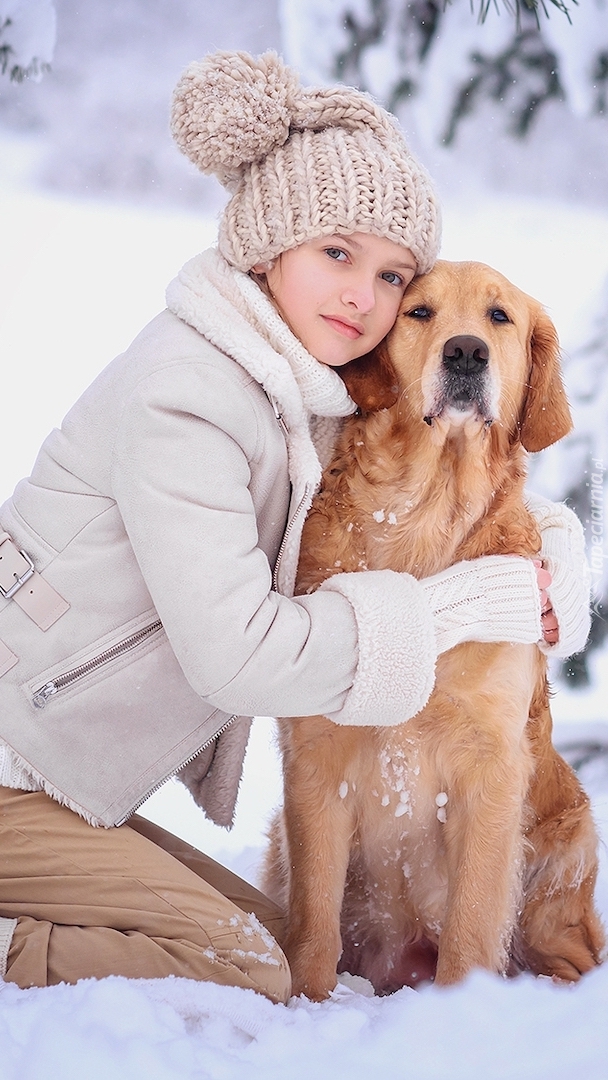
pixel 147 565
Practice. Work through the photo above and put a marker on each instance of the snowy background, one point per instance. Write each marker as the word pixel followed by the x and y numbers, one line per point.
pixel 97 212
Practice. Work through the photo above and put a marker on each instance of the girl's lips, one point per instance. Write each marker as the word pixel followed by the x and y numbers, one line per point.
pixel 349 330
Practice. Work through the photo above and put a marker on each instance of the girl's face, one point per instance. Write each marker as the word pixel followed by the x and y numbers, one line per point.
pixel 340 294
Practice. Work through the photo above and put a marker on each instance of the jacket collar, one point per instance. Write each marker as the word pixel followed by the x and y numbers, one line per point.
pixel 231 311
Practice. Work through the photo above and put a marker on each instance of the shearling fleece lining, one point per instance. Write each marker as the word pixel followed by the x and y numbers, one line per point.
pixel 7 929
pixel 397 649
pixel 213 777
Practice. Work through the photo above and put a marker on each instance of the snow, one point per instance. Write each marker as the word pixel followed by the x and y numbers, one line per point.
pixel 76 285
pixel 77 281
pixel 577 42
pixel 312 35
pixel 175 1028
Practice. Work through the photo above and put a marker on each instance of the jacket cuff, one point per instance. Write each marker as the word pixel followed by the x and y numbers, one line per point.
pixel 397 650
pixel 563 554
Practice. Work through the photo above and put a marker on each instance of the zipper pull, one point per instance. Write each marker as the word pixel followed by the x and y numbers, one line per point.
pixel 279 416
pixel 44 693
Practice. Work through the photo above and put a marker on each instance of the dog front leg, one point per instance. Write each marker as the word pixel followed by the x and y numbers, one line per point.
pixel 485 762
pixel 318 818
pixel 484 857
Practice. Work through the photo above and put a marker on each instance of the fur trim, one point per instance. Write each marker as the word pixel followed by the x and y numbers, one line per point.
pixel 396 669
pixel 213 778
pixel 7 929
pixel 17 773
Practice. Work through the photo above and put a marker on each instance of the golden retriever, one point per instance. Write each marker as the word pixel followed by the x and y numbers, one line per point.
pixel 459 839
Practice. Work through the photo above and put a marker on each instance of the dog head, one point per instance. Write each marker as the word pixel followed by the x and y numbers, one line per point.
pixel 468 348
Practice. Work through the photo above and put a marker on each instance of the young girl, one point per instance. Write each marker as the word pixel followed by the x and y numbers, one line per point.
pixel 147 565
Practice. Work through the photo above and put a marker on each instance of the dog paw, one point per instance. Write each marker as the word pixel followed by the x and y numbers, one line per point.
pixel 566 958
pixel 314 991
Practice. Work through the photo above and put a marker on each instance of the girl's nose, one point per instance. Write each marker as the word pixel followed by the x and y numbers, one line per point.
pixel 361 295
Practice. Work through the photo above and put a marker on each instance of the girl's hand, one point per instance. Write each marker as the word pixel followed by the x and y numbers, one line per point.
pixel 548 617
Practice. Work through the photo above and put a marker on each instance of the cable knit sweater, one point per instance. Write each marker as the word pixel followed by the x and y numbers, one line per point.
pixel 179 433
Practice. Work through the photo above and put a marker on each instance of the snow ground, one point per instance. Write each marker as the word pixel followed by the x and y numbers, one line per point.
pixel 77 281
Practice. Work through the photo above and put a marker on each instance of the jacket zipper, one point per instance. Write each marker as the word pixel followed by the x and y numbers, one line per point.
pixel 307 490
pixel 279 416
pixel 160 783
pixel 286 535
pixel 62 682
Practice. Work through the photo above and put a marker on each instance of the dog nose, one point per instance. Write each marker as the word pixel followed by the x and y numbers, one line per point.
pixel 465 354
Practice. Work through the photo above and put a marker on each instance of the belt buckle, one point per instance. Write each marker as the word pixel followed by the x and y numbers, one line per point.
pixel 21 580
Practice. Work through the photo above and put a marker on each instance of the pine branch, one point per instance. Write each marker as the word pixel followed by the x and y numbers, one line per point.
pixel 600 81
pixel 14 64
pixel 519 8
pixel 360 36
pixel 522 77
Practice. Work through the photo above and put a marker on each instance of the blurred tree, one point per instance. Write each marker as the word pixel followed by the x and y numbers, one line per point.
pixel 97 123
pixel 576 470
pixel 27 38
pixel 524 74
pixel 458 54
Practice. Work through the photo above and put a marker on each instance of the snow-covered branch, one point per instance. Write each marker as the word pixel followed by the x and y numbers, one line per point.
pixel 27 38
pixel 451 56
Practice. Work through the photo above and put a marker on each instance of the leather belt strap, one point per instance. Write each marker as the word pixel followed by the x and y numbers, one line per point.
pixel 20 582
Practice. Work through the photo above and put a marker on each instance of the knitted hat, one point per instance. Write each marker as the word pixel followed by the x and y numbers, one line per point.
pixel 299 163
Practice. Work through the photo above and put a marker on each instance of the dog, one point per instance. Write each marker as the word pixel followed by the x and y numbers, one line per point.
pixel 459 839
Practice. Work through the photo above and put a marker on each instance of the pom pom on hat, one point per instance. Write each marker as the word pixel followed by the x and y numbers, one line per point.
pixel 230 109
pixel 300 162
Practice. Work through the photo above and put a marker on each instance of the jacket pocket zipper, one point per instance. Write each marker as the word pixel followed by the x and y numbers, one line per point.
pixel 62 682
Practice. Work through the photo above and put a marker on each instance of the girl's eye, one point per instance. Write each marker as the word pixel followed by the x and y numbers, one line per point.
pixel 419 313
pixel 497 315
pixel 392 278
pixel 336 253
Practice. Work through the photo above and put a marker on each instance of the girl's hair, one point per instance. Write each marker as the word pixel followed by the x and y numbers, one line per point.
pixel 300 162
pixel 262 281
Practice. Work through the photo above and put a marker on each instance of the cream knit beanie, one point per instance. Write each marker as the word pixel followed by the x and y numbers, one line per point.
pixel 299 163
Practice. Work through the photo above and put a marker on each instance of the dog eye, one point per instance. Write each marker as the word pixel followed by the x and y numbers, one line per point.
pixel 419 313
pixel 497 315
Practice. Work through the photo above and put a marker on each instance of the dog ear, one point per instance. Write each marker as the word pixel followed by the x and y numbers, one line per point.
pixel 371 380
pixel 546 414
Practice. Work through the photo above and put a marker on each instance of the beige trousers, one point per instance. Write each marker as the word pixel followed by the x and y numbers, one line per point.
pixel 133 901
